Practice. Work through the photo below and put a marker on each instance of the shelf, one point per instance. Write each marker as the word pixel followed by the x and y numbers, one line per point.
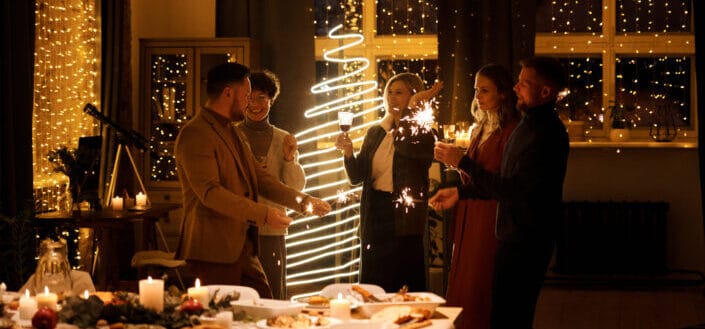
pixel 689 143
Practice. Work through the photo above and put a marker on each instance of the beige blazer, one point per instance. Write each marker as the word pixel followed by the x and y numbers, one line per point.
pixel 220 186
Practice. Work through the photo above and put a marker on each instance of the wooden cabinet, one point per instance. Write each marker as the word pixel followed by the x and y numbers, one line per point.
pixel 172 89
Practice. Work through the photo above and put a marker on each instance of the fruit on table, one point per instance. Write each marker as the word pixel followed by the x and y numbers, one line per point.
pixel 45 318
pixel 191 306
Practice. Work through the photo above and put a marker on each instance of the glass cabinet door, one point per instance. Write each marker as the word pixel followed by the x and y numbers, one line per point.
pixel 170 89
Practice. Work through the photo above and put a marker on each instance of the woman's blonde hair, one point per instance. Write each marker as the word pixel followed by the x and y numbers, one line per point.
pixel 411 80
pixel 502 79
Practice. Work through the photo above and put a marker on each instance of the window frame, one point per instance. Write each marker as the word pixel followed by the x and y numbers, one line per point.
pixel 610 44
pixel 381 47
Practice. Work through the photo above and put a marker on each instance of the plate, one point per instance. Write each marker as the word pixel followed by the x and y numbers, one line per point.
pixel 9 296
pixel 246 293
pixel 267 308
pixel 332 322
pixel 353 304
pixel 332 290
pixel 431 302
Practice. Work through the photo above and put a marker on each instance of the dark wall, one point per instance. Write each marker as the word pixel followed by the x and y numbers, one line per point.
pixel 283 30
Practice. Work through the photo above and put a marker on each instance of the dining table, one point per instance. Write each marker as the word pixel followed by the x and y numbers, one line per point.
pixel 110 228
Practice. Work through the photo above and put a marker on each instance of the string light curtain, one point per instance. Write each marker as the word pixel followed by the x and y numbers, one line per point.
pixel 473 33
pixel 66 67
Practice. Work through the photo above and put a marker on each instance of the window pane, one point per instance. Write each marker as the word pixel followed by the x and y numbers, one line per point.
pixel 654 16
pixel 584 102
pixel 407 17
pixel 427 69
pixel 569 16
pixel 657 88
pixel 331 13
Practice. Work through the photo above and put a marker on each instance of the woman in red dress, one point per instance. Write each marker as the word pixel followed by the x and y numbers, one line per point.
pixel 474 241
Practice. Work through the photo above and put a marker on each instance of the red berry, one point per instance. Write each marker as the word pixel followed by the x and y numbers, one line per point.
pixel 45 318
pixel 191 306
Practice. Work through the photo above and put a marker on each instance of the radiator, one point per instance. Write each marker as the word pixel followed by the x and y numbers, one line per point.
pixel 612 238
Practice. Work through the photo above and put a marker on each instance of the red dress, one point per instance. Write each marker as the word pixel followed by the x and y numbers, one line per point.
pixel 474 241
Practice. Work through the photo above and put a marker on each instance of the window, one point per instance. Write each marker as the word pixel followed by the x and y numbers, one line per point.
pixel 634 52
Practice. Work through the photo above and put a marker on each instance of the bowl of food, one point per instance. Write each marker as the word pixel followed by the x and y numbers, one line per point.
pixel 267 308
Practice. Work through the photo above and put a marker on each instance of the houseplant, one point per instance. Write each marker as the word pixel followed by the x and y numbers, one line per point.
pixel 75 165
pixel 622 118
pixel 573 111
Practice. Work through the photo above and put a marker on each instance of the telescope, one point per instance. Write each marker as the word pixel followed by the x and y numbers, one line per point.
pixel 130 137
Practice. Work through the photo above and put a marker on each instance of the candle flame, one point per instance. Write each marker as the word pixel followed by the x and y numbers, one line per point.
pixel 149 279
pixel 46 291
pixel 85 294
pixel 340 296
pixel 198 283
pixel 26 293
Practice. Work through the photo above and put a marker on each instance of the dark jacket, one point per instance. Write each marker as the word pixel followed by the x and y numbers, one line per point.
pixel 529 186
pixel 413 154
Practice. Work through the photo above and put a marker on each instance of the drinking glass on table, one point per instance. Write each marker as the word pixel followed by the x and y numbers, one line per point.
pixel 448 137
pixel 345 121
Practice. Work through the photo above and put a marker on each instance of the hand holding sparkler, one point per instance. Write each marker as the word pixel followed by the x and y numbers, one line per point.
pixel 444 198
pixel 448 154
pixel 313 205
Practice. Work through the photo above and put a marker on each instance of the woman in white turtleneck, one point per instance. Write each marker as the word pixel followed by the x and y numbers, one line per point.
pixel 275 149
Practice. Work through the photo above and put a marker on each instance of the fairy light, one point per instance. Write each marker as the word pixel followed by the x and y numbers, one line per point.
pixel 649 77
pixel 314 250
pixel 66 71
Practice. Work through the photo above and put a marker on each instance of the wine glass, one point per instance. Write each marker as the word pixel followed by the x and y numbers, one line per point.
pixel 345 121
pixel 448 137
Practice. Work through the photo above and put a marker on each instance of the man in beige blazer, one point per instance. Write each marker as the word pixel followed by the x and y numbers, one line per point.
pixel 221 182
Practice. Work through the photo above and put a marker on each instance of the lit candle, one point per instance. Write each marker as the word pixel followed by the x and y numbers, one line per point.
pixel 152 294
pixel 199 293
pixel 28 306
pixel 141 199
pixel 117 203
pixel 340 308
pixel 85 294
pixel 84 206
pixel 47 299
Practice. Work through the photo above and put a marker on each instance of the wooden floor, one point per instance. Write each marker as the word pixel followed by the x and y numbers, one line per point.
pixel 658 308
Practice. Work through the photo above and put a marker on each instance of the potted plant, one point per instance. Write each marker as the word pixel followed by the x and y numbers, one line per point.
pixel 75 165
pixel 622 119
pixel 573 111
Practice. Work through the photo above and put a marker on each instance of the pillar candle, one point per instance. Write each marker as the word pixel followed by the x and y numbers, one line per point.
pixel 152 294
pixel 28 306
pixel 47 299
pixel 340 308
pixel 141 200
pixel 199 293
pixel 117 203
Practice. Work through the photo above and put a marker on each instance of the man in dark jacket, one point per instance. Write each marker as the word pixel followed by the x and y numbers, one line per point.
pixel 529 189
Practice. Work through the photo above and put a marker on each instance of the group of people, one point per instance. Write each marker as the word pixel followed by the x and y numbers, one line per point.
pixel 237 177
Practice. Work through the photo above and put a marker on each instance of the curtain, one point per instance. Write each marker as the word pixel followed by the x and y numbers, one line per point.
pixel 16 92
pixel 699 11
pixel 284 31
pixel 116 88
pixel 473 33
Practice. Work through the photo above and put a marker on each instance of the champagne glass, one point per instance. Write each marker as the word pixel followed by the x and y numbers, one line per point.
pixel 345 121
pixel 448 137
pixel 448 133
